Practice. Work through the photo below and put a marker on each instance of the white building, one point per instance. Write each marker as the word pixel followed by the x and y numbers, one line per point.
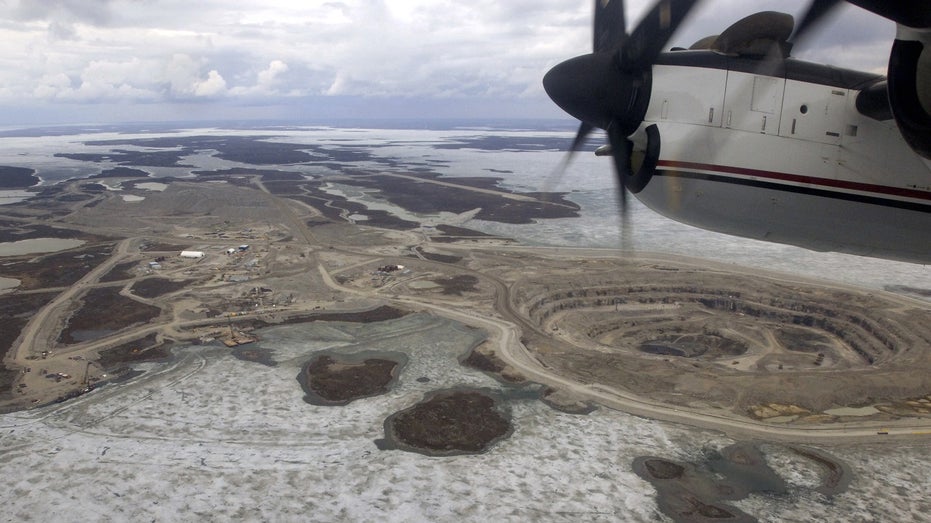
pixel 192 254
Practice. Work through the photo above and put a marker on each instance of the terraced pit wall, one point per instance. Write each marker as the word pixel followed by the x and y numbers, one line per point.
pixel 863 324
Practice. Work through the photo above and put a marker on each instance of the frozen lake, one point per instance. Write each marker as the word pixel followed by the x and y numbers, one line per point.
pixel 38 245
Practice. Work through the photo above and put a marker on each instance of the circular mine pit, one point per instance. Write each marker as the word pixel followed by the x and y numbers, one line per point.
pixel 744 322
pixel 448 422
pixel 332 379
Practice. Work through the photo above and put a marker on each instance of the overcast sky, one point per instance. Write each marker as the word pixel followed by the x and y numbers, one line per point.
pixel 90 61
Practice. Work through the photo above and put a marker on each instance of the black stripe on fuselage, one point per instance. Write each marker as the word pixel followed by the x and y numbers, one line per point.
pixel 790 68
pixel 811 191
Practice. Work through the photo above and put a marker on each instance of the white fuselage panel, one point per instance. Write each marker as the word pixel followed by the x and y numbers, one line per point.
pixel 785 161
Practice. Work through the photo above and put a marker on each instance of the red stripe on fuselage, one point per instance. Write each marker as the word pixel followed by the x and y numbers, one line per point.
pixel 798 179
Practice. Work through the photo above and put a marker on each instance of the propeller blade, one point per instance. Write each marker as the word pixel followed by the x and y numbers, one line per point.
pixel 621 150
pixel 585 129
pixel 650 36
pixel 577 143
pixel 817 9
pixel 609 26
pixel 910 13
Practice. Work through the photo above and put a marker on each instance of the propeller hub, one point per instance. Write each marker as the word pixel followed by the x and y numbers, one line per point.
pixel 593 89
pixel 610 88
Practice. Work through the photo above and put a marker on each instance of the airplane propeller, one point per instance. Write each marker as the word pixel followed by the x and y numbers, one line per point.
pixel 610 88
pixel 817 9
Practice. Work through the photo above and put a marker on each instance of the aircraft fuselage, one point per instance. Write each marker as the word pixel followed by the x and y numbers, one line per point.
pixel 784 156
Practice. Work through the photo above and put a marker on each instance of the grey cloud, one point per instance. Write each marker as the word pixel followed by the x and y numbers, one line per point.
pixel 424 52
pixel 95 12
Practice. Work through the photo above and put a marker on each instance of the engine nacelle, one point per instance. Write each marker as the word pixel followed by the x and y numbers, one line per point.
pixel 909 88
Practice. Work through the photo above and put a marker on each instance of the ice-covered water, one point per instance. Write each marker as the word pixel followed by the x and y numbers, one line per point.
pixel 14 196
pixel 212 437
pixel 36 245
pixel 216 437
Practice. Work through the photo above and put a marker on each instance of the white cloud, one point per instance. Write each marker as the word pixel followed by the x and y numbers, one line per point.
pixel 340 85
pixel 49 86
pixel 212 86
pixel 100 81
pixel 267 81
pixel 110 51
pixel 269 77
pixel 183 75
